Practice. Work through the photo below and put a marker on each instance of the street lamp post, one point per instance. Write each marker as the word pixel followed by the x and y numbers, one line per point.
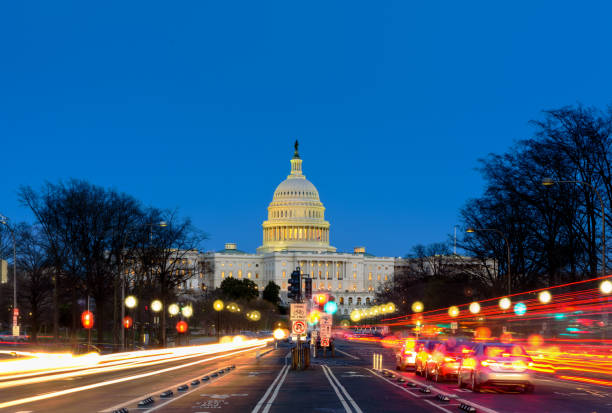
pixel 218 306
pixel 122 269
pixel 501 234
pixel 3 221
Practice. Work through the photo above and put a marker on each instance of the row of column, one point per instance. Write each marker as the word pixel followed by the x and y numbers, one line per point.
pixel 292 233
pixel 312 268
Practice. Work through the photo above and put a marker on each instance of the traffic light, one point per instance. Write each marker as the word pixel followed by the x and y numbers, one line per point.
pixel 295 287
pixel 308 288
pixel 320 300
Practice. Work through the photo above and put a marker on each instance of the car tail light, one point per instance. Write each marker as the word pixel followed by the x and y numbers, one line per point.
pixel 449 359
pixel 486 363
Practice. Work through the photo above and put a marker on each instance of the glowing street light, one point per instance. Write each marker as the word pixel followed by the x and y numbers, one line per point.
pixel 474 308
pixel 173 309
pixel 544 297
pixel 218 305
pixel 505 303
pixel 130 301
pixel 187 311
pixel 520 309
pixel 453 311
pixel 279 334
pixel 355 316
pixel 417 306
pixel 605 287
pixel 156 306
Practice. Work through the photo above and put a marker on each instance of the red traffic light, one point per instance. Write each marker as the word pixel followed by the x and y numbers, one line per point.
pixel 321 298
pixel 87 319
pixel 127 321
pixel 181 326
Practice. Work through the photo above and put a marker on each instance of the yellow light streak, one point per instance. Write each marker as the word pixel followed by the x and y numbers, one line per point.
pixel 250 345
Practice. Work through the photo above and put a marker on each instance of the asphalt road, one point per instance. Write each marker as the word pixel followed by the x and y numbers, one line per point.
pixel 345 383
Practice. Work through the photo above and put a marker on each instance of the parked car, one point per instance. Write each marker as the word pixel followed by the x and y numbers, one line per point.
pixel 496 364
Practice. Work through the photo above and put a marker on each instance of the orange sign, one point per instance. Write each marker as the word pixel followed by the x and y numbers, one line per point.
pixel 127 321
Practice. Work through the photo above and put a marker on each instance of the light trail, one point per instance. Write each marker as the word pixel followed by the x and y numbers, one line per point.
pixel 240 347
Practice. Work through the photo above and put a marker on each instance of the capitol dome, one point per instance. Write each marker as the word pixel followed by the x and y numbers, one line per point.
pixel 296 216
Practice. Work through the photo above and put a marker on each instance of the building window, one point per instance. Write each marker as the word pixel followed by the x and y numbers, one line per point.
pixel 223 264
pixel 354 265
pixel 284 273
pixel 370 276
pixel 249 265
pixel 256 275
pixel 358 300
pixel 284 263
pixel 339 285
pixel 327 275
pixel 231 274
pixel 350 301
pixel 249 274
pixel 329 286
pixel 367 300
pixel 378 277
pixel 386 278
pixel 222 274
pixel 239 273
pixel 341 300
pixel 337 275
pixel 230 264
pixel 354 276
pixel 320 275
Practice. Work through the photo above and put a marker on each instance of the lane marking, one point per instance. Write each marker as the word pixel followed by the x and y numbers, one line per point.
pixel 273 397
pixel 183 394
pixel 438 406
pixel 265 396
pixel 347 354
pixel 344 404
pixel 350 399
pixel 137 399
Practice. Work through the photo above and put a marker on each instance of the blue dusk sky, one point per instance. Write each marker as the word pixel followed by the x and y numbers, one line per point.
pixel 196 105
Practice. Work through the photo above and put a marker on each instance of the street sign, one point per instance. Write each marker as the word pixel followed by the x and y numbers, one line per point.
pixel 454 325
pixel 326 319
pixel 298 327
pixel 325 332
pixel 298 312
pixel 15 330
pixel 324 342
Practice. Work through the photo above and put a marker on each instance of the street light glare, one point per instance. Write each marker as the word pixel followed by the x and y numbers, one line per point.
pixel 548 181
pixel 156 306
pixel 173 309
pixel 606 287
pixel 474 308
pixel 218 305
pixel 544 297
pixel 453 311
pixel 130 301
pixel 470 230
pixel 417 306
pixel 505 303
pixel 187 311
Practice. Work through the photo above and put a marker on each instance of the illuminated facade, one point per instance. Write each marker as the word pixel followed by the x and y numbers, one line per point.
pixel 296 234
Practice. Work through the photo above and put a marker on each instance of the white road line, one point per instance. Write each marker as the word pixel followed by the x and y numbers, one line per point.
pixel 265 396
pixel 137 399
pixel 357 409
pixel 438 406
pixel 344 404
pixel 273 397
pixel 347 354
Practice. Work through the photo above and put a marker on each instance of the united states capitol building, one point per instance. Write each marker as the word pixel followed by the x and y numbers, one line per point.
pixel 296 234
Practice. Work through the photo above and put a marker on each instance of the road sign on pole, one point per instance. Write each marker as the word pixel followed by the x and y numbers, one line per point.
pixel 324 342
pixel 298 327
pixel 298 311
